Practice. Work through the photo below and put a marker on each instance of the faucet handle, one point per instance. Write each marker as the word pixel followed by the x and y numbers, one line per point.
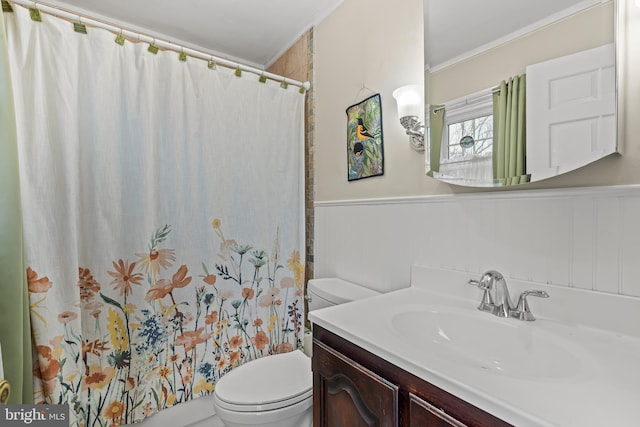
pixel 487 301
pixel 522 311
pixel 480 284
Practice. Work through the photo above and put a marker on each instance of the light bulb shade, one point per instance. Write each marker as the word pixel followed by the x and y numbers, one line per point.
pixel 409 100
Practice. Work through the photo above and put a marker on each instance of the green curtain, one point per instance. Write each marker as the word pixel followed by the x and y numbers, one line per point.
pixel 15 329
pixel 509 130
pixel 436 124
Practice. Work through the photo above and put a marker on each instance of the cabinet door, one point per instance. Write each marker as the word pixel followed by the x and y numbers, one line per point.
pixel 423 414
pixel 348 395
pixel 571 111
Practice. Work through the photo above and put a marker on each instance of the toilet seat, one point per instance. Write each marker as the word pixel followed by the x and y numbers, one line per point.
pixel 266 384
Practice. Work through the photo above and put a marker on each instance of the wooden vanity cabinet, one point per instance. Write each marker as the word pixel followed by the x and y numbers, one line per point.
pixel 352 388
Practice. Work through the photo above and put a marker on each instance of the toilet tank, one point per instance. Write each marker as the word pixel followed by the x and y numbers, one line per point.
pixel 330 291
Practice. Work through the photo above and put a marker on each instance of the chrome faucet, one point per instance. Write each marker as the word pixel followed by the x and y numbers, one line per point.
pixel 496 299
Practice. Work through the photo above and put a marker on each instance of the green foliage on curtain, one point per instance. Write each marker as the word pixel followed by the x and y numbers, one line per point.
pixel 509 132
pixel 15 333
pixel 436 125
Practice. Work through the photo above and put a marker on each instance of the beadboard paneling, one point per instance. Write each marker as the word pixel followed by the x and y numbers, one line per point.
pixel 587 238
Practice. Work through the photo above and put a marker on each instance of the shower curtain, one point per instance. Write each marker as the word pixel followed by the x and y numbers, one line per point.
pixel 163 219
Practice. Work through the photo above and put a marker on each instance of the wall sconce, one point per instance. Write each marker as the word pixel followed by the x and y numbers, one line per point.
pixel 410 108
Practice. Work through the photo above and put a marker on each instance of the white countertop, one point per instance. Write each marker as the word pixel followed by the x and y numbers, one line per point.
pixel 594 382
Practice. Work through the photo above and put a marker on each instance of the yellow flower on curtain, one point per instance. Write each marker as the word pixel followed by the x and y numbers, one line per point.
pixel 297 267
pixel 114 411
pixel 171 399
pixel 117 331
pixel 203 386
pixel 130 308
pixel 272 322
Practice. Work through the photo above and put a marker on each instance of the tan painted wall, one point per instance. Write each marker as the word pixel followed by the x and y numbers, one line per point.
pixel 388 53
pixel 294 63
pixel 379 45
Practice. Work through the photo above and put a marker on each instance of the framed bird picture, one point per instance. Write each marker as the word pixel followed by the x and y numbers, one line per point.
pixel 365 153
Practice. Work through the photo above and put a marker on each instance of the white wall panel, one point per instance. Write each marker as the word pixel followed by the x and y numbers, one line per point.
pixel 559 241
pixel 630 247
pixel 607 245
pixel 582 264
pixel 586 238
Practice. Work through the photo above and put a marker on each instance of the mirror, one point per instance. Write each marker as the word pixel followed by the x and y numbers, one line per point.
pixel 561 52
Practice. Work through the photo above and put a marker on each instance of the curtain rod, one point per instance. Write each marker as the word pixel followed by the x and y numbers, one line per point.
pixel 466 100
pixel 116 29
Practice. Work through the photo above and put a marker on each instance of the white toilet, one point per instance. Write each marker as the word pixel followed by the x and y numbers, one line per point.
pixel 276 391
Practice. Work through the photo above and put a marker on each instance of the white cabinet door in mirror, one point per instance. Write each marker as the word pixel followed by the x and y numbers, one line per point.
pixel 571 111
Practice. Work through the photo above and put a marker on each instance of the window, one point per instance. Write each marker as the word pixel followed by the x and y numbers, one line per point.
pixel 472 137
pixel 468 128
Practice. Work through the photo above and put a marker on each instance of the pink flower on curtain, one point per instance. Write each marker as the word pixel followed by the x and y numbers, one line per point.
pixel 87 284
pixel 46 368
pixel 287 282
pixel 285 347
pixel 211 318
pixel 210 279
pixel 98 377
pixel 235 342
pixel 37 285
pixel 189 339
pixel 67 316
pixel 260 340
pixel 163 287
pixel 124 277
pixel 268 298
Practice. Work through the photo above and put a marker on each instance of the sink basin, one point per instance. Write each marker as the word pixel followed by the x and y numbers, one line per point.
pixel 477 340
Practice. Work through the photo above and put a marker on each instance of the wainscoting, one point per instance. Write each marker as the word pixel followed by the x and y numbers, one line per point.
pixel 586 238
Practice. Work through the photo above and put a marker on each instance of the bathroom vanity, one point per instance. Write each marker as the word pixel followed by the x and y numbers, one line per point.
pixel 426 356
pixel 353 387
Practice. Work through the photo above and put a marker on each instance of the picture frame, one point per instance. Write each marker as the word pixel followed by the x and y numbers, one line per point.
pixel 365 148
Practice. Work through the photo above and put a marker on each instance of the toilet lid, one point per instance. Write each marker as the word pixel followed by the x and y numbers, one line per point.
pixel 267 383
pixel 338 291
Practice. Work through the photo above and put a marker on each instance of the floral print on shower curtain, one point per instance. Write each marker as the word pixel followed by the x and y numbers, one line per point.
pixel 163 219
pixel 132 359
